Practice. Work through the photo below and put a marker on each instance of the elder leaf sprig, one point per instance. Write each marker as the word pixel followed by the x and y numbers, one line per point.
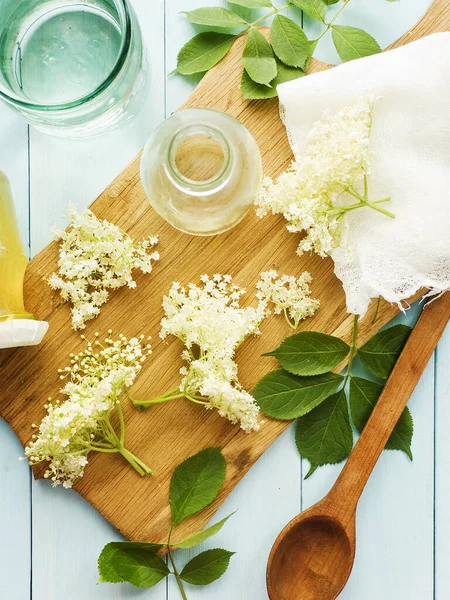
pixel 305 388
pixel 194 485
pixel 266 63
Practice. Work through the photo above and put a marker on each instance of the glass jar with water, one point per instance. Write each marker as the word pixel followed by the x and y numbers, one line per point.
pixel 71 67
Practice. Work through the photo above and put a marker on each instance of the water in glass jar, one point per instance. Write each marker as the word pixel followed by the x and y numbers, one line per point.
pixel 59 51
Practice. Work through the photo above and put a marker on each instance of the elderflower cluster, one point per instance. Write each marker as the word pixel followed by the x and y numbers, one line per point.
pixel 289 295
pixel 209 318
pixel 72 429
pixel 312 191
pixel 96 256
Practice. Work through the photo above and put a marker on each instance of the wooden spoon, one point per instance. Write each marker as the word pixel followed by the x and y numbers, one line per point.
pixel 313 556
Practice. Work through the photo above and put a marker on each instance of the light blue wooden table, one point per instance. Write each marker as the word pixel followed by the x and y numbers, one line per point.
pixel 50 539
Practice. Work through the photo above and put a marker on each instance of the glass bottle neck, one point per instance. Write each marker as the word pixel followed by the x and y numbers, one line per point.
pixel 199 160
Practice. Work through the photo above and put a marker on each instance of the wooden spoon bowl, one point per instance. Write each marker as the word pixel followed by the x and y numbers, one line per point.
pixel 311 548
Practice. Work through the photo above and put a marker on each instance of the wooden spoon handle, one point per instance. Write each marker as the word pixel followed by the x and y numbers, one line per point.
pixel 344 496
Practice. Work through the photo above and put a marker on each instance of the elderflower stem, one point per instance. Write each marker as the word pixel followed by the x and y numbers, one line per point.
pixel 374 204
pixel 157 400
pixel 135 462
pixel 122 423
pixel 289 322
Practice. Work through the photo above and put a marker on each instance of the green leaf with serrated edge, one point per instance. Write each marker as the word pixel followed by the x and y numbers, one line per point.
pixel 310 353
pixel 195 483
pixel 324 436
pixel 142 567
pixel 202 536
pixel 203 51
pixel 286 73
pixel 284 396
pixel 330 2
pixel 252 3
pixel 352 43
pixel 256 91
pixel 106 569
pixel 289 42
pixel 380 353
pixel 364 395
pixel 316 9
pixel 206 567
pixel 258 58
pixel 215 16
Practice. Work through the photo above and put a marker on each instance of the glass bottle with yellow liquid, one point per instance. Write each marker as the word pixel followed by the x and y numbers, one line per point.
pixel 17 326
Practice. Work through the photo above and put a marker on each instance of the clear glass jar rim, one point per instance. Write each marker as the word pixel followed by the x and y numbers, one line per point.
pixel 123 53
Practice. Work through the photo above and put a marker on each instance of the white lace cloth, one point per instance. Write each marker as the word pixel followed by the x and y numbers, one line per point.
pixel 410 144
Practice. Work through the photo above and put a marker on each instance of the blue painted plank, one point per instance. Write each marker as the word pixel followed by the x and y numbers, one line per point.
pixel 15 517
pixel 442 473
pixel 68 534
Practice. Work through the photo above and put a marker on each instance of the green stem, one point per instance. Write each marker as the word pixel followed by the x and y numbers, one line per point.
pixel 331 23
pixel 373 205
pixel 135 462
pixel 353 348
pixel 290 323
pixel 158 400
pixel 275 11
pixel 174 566
pixel 197 400
pixel 122 424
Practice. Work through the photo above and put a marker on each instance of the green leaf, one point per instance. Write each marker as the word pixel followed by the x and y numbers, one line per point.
pixel 310 353
pixel 284 396
pixel 289 42
pixel 314 8
pixel 215 17
pixel 258 58
pixel 252 3
pixel 330 2
pixel 195 483
pixel 206 567
pixel 203 51
pixel 256 91
pixel 136 563
pixel 202 536
pixel 352 43
pixel 324 436
pixel 364 395
pixel 380 353
pixel 106 566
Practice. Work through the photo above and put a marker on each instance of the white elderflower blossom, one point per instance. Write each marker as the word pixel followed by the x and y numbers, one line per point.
pixel 291 296
pixel 95 257
pixel 314 195
pixel 81 424
pixel 210 316
pixel 212 324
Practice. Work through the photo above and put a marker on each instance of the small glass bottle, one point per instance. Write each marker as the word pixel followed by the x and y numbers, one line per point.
pixel 201 171
pixel 17 326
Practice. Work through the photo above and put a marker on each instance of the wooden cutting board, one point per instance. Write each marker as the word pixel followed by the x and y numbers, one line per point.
pixel 167 434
